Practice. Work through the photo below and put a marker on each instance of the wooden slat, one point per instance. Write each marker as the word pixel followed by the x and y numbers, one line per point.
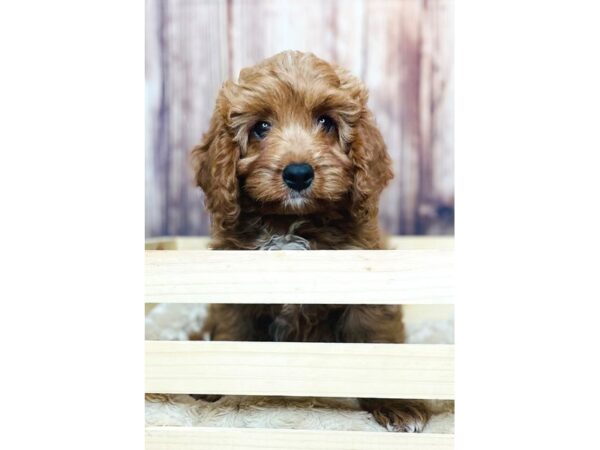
pixel 300 369
pixel 186 63
pixel 437 118
pixel 392 75
pixel 408 71
pixel 421 242
pixel 185 438
pixel 155 175
pixel 326 276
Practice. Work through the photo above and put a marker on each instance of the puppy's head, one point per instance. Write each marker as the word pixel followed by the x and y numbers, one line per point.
pixel 294 136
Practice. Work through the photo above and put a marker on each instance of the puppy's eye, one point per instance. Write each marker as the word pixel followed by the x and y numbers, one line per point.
pixel 327 123
pixel 260 130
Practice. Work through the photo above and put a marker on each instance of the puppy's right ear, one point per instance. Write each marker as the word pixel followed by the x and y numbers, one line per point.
pixel 200 156
pixel 214 162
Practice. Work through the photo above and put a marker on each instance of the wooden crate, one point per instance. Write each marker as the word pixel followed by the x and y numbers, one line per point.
pixel 417 274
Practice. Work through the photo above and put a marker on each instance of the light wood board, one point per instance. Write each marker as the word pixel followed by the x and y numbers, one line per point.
pixel 186 438
pixel 300 369
pixel 314 277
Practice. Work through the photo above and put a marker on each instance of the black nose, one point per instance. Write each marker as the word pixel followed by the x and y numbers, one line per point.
pixel 298 176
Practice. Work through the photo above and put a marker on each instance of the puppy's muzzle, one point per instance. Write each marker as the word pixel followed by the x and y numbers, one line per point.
pixel 298 176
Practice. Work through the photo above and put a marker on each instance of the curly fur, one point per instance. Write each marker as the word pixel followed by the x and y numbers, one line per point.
pixel 241 176
pixel 249 203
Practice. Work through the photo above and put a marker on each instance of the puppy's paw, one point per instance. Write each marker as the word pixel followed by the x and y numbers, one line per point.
pixel 406 416
pixel 206 397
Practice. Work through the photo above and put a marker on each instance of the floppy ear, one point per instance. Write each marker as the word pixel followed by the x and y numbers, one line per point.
pixel 372 168
pixel 368 153
pixel 214 162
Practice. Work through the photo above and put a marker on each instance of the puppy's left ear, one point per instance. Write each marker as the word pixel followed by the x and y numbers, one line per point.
pixel 214 162
pixel 368 153
pixel 372 168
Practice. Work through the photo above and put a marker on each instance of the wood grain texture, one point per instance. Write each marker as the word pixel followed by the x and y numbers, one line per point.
pixel 402 49
pixel 186 63
pixel 300 369
pixel 185 438
pixel 326 276
pixel 332 29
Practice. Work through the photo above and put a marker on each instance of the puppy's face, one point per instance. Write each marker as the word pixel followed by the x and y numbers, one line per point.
pixel 293 124
pixel 293 135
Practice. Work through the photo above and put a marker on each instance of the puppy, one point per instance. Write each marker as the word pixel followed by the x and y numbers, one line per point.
pixel 293 155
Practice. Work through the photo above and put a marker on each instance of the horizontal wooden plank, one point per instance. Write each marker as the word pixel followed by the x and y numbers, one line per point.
pixel 421 276
pixel 421 242
pixel 185 438
pixel 395 242
pixel 300 369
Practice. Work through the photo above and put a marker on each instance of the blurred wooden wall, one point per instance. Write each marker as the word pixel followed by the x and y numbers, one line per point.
pixel 402 49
